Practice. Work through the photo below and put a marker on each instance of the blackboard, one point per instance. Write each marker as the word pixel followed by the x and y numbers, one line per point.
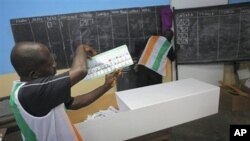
pixel 103 30
pixel 212 34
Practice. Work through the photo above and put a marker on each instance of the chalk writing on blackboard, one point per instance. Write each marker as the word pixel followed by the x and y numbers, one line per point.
pixel 213 34
pixel 103 30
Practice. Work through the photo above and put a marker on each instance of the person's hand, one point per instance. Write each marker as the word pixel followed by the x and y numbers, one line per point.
pixel 89 51
pixel 111 78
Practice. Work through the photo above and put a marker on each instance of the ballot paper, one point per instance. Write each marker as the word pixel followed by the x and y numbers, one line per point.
pixel 243 73
pixel 108 61
pixel 247 83
pixel 102 113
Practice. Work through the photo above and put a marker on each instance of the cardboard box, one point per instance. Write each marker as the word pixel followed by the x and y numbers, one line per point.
pixel 153 108
pixel 231 102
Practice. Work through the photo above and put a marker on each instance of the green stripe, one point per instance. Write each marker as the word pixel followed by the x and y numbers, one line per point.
pixel 158 59
pixel 26 131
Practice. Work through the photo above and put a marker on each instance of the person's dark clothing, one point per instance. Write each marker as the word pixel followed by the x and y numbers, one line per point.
pixel 41 95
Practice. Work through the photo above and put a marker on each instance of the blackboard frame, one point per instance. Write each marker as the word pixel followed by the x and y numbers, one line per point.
pixel 177 31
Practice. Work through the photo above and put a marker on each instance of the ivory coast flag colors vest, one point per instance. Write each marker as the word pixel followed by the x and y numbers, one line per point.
pixel 55 126
pixel 155 53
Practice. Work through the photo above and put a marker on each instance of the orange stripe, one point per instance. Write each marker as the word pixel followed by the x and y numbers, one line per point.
pixel 149 48
pixel 169 69
pixel 78 136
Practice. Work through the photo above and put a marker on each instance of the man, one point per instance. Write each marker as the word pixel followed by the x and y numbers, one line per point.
pixel 39 99
pixel 150 75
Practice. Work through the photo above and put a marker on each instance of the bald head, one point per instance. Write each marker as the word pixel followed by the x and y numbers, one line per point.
pixel 28 57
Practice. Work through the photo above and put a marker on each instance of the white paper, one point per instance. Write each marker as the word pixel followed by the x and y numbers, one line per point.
pixel 243 73
pixel 108 62
pixel 102 113
pixel 247 83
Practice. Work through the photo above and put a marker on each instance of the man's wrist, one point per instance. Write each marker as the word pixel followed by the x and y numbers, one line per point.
pixel 107 86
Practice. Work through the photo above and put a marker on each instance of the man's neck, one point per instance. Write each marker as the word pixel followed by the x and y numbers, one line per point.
pixel 25 79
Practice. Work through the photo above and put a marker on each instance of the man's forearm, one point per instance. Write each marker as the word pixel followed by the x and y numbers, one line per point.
pixel 79 66
pixel 86 99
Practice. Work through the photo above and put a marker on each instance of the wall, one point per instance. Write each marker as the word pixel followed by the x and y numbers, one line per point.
pixel 237 1
pixel 10 9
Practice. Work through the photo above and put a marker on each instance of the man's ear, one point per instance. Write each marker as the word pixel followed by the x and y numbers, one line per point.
pixel 34 74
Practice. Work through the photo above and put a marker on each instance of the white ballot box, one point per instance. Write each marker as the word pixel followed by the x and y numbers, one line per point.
pixel 153 108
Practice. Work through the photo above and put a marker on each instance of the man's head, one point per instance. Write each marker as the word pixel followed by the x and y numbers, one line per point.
pixel 169 34
pixel 32 60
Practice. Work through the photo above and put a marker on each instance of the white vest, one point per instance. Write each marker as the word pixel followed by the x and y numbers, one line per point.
pixel 55 126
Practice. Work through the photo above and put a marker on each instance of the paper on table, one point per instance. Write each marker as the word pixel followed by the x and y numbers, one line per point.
pixel 108 61
pixel 243 73
pixel 102 113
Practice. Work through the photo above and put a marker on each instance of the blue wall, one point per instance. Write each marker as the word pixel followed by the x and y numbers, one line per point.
pixel 10 9
pixel 237 1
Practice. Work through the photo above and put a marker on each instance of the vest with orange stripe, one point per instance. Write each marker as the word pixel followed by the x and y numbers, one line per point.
pixel 55 126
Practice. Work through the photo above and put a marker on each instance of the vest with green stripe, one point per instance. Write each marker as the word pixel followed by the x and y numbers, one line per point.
pixel 55 126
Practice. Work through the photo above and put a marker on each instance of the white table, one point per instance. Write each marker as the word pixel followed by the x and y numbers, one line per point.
pixel 154 108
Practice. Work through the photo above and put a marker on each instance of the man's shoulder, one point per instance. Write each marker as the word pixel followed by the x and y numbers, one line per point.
pixel 46 80
pixel 44 91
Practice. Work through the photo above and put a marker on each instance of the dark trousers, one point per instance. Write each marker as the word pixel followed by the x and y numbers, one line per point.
pixel 147 77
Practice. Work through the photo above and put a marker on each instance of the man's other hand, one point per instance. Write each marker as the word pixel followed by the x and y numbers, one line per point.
pixel 110 79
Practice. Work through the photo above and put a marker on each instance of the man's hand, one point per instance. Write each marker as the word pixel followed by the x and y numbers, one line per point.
pixel 89 51
pixel 86 99
pixel 110 79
